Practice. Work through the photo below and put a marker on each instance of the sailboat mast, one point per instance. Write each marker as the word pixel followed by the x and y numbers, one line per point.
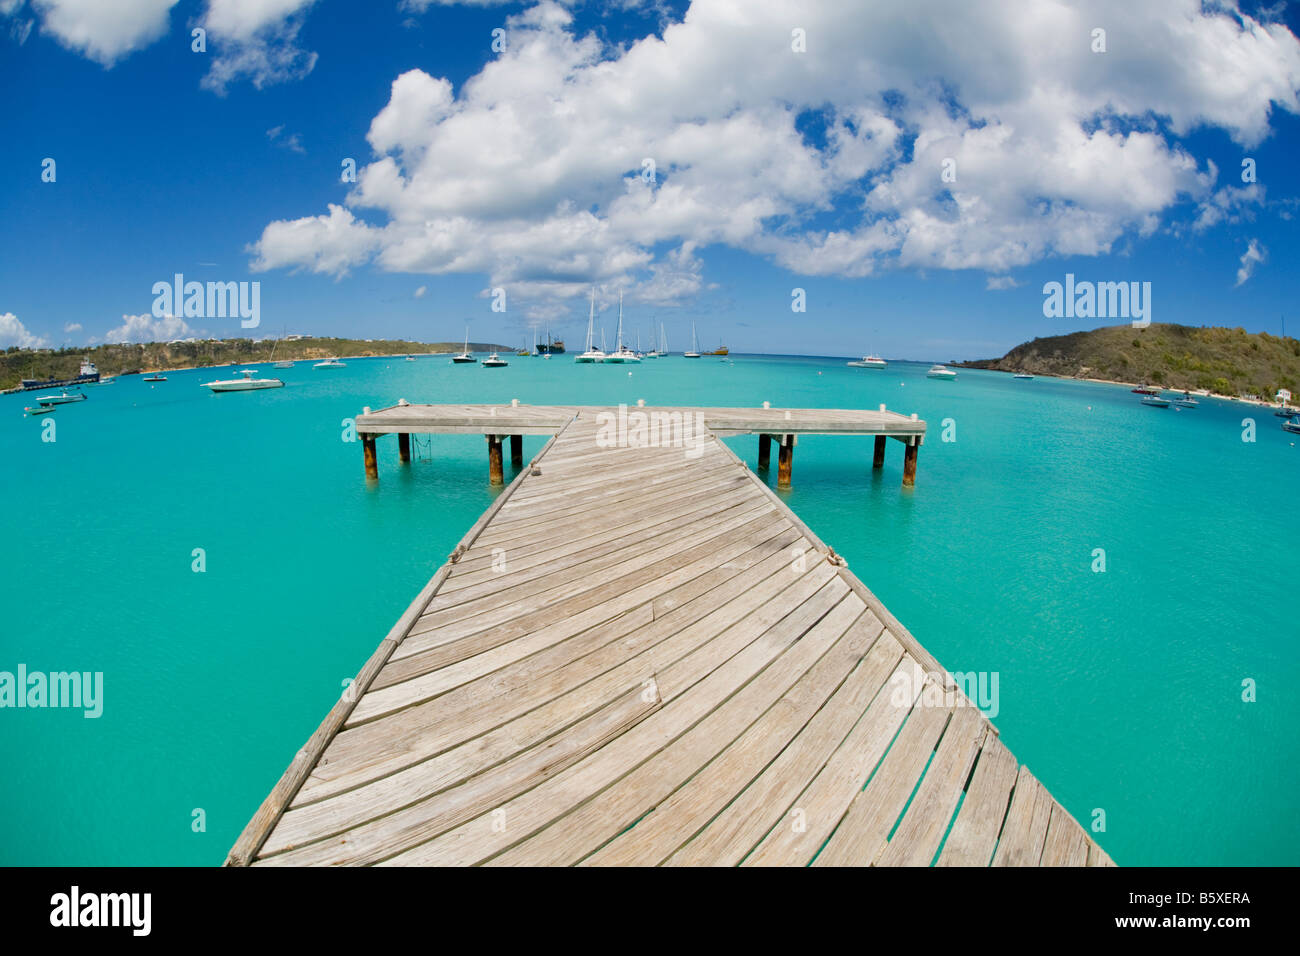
pixel 618 345
pixel 591 319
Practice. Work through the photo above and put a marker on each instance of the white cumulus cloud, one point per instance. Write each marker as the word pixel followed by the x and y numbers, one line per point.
pixel 567 161
pixel 146 328
pixel 256 40
pixel 13 332
pixel 103 30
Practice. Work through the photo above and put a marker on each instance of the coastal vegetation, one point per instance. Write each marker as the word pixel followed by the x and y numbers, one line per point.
pixel 1225 361
pixel 17 364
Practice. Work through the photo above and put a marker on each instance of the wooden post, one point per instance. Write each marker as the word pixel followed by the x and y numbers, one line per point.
pixel 785 461
pixel 372 466
pixel 878 461
pixel 404 446
pixel 495 474
pixel 517 452
pixel 764 451
pixel 909 463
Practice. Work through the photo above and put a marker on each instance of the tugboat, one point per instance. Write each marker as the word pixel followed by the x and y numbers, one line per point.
pixel 87 375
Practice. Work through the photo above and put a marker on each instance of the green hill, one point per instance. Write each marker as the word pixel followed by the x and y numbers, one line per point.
pixel 1227 361
pixel 17 364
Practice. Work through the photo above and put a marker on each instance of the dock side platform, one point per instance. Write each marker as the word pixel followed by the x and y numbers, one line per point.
pixel 640 655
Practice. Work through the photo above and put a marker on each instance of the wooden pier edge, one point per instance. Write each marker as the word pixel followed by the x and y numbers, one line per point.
pixel 913 646
pixel 258 828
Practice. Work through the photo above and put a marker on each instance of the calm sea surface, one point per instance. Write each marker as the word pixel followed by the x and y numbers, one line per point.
pixel 1121 690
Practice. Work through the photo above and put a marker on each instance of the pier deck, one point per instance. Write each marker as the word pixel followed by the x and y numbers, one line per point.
pixel 640 656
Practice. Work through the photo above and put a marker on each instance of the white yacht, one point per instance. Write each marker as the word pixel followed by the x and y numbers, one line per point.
pixel 245 384
pixel 622 355
pixel 695 345
pixel 869 361
pixel 495 361
pixel 941 371
pixel 328 363
pixel 63 399
pixel 592 354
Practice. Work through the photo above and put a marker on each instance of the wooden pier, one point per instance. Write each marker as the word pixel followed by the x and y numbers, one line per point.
pixel 784 425
pixel 640 655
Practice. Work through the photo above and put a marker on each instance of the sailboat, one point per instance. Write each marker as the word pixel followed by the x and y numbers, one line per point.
pixel 621 354
pixel 592 354
pixel 464 356
pixel 695 345
pixel 658 350
pixel 283 363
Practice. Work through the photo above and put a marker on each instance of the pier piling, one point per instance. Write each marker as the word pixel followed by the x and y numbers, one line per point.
pixel 764 451
pixel 372 466
pixel 404 447
pixel 878 459
pixel 517 452
pixel 909 463
pixel 495 473
pixel 786 461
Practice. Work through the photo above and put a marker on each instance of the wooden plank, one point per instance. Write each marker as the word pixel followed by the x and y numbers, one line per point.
pixel 862 832
pixel 735 831
pixel 1025 829
pixel 919 834
pixel 669 824
pixel 815 813
pixel 1066 843
pixel 975 832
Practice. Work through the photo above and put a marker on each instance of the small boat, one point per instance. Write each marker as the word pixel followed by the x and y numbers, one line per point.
pixel 695 345
pixel 1145 390
pixel 410 358
pixel 284 363
pixel 330 363
pixel 494 361
pixel 869 361
pixel 464 357
pixel 941 371
pixel 1292 425
pixel 64 399
pixel 245 384
pixel 592 354
pixel 1186 401
pixel 155 377
pixel 1155 401
pixel 1022 375
pixel 40 409
pixel 280 363
pixel 1286 411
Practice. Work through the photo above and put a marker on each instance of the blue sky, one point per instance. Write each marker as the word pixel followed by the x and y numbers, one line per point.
pixel 776 169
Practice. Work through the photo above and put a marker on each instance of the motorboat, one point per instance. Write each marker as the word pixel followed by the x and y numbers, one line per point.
pixel 495 361
pixel 869 361
pixel 245 384
pixel 941 371
pixel 1022 375
pixel 63 399
pixel 328 363
pixel 155 377
pixel 1186 401
pixel 1292 425
pixel 1155 401
pixel 1145 390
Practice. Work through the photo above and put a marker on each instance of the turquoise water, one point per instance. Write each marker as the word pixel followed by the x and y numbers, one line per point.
pixel 1121 690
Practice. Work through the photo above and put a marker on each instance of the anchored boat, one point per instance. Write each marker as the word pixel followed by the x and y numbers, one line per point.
pixel 592 354
pixel 245 384
pixel 495 361
pixel 87 375
pixel 64 399
pixel 621 354
pixel 1155 401
pixel 869 361
pixel 941 371
pixel 330 363
pixel 464 358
